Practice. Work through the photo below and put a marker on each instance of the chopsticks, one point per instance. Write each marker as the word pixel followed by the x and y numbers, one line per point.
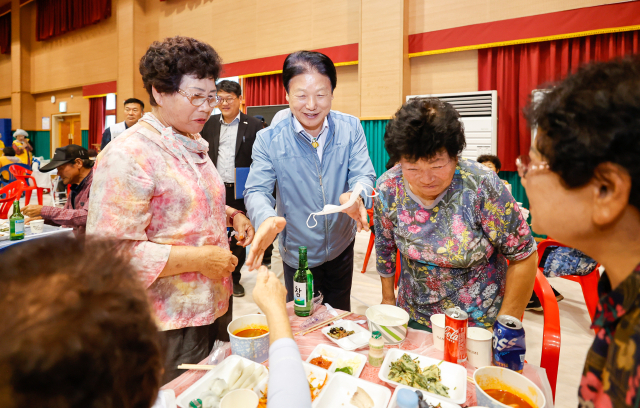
pixel 471 379
pixel 196 367
pixel 320 325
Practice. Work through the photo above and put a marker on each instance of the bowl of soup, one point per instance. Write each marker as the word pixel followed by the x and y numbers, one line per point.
pixel 498 387
pixel 249 337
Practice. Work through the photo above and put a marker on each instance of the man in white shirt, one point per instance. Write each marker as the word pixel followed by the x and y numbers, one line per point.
pixel 133 110
pixel 231 135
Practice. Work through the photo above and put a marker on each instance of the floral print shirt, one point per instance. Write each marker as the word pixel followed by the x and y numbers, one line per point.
pixel 563 261
pixel 154 191
pixel 455 253
pixel 611 376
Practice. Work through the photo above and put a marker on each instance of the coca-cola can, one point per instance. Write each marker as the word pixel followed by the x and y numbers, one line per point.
pixel 455 335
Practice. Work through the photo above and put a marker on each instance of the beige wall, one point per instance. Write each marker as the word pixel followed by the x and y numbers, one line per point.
pixel 5 76
pixel 77 104
pixel 5 108
pixel 431 15
pixel 346 97
pixel 444 73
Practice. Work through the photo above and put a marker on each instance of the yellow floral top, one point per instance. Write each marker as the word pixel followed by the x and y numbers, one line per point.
pixel 455 252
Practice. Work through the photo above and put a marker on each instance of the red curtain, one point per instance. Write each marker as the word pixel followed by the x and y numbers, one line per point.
pixel 96 119
pixel 5 34
pixel 516 70
pixel 264 90
pixel 56 17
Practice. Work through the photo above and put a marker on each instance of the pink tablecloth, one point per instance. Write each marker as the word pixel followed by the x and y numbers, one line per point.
pixel 420 342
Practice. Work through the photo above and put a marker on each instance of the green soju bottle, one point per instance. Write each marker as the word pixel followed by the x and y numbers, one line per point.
pixel 16 223
pixel 303 286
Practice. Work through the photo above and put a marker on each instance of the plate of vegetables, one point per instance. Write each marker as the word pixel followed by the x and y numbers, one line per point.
pixel 233 373
pixel 443 380
pixel 336 360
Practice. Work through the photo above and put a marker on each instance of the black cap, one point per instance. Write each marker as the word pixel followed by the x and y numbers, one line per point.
pixel 65 155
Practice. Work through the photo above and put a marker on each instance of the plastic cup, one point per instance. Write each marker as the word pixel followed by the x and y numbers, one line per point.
pixel 479 343
pixel 437 327
pixel 240 399
pixel 37 226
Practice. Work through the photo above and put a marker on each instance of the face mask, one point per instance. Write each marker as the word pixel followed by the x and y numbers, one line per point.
pixel 332 209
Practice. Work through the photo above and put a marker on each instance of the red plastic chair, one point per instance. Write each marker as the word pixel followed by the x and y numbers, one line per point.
pixel 11 192
pixel 20 173
pixel 372 240
pixel 588 283
pixel 551 329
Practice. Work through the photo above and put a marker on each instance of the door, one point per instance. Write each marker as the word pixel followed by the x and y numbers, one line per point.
pixel 69 130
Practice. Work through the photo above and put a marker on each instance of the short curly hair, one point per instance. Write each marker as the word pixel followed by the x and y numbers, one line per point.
pixel 490 158
pixel 77 328
pixel 590 118
pixel 165 63
pixel 423 127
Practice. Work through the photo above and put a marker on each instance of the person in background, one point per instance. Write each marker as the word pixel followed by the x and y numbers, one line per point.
pixel 231 135
pixel 462 240
pixel 316 156
pixel 8 158
pixel 75 168
pixel 22 146
pixel 582 176
pixel 1 146
pixel 156 191
pixel 133 111
pixel 77 329
pixel 261 119
pixel 493 163
pixel 287 379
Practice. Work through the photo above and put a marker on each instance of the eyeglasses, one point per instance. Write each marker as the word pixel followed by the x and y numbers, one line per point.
pixel 524 165
pixel 229 101
pixel 198 100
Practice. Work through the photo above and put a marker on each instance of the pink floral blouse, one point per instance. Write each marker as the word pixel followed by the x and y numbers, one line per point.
pixel 155 191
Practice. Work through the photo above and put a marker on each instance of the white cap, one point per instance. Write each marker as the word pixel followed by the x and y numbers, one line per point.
pixel 20 132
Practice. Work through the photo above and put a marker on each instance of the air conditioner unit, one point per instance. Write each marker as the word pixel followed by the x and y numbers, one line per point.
pixel 479 113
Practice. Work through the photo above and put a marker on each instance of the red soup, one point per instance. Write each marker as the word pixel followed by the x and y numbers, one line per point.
pixel 508 399
pixel 250 332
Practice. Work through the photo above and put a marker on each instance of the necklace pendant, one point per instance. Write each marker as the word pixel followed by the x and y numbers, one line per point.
pixel 315 144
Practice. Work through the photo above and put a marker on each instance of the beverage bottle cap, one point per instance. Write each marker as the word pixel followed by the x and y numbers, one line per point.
pixel 376 334
pixel 407 399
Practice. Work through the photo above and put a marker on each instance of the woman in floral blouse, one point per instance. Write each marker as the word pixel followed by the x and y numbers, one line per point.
pixel 156 189
pixel 582 177
pixel 454 222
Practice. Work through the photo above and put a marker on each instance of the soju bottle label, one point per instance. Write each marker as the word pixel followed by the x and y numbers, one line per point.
pixel 18 227
pixel 300 294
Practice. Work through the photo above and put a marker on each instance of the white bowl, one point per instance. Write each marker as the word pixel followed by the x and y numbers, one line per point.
pixel 239 399
pixel 390 321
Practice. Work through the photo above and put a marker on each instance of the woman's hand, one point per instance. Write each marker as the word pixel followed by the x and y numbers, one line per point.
pixel 267 232
pixel 243 227
pixel 218 262
pixel 270 296
pixel 356 211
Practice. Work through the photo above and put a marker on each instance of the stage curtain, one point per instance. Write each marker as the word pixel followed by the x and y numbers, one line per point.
pixel 96 120
pixel 5 34
pixel 374 134
pixel 56 17
pixel 264 90
pixel 516 70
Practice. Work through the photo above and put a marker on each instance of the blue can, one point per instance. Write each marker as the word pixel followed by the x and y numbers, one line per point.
pixel 509 346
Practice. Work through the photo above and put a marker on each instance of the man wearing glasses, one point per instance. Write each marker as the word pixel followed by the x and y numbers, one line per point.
pixel 231 135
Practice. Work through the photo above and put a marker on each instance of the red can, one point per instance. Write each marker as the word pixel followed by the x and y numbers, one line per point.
pixel 455 335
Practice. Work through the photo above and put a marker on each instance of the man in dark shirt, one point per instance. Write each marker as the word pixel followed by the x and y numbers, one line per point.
pixel 133 110
pixel 75 168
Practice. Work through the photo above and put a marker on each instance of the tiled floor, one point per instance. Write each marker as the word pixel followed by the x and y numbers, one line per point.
pixel 574 320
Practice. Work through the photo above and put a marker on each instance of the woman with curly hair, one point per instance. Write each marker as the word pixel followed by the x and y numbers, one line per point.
pixel 156 189
pixel 454 222
pixel 582 176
